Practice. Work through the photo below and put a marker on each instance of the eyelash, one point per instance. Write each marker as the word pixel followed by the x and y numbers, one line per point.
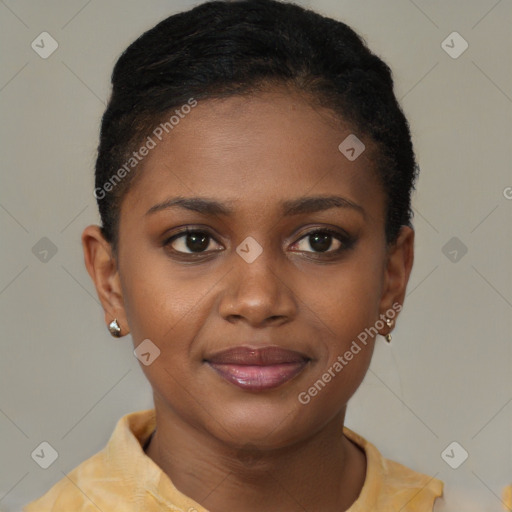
pixel 346 242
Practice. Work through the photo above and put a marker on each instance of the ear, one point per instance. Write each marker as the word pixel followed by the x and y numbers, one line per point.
pixel 103 269
pixel 398 269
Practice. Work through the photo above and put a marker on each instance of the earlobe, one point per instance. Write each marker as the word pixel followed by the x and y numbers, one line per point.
pixel 102 267
pixel 398 269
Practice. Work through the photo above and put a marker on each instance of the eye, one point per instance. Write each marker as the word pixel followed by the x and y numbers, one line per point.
pixel 195 241
pixel 190 242
pixel 321 240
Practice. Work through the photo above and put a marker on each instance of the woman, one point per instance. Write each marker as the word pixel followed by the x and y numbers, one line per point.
pixel 253 178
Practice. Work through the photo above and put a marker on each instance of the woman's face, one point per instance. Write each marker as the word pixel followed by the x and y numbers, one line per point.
pixel 252 277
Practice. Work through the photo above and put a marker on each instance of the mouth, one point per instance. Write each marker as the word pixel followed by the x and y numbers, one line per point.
pixel 258 369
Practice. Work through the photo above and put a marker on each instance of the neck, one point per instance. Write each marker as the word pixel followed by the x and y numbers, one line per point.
pixel 325 472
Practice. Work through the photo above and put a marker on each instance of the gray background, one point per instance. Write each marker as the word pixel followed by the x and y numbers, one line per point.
pixel 447 374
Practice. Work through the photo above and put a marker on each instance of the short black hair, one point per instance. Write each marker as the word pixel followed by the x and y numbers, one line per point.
pixel 226 48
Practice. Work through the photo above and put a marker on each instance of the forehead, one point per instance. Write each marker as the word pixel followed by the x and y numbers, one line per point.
pixel 255 151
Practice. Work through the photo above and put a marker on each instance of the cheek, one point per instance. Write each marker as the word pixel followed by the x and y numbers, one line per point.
pixel 167 307
pixel 348 306
pixel 158 299
pixel 345 303
pixel 346 298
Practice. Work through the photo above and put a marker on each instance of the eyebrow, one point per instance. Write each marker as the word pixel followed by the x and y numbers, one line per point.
pixel 289 208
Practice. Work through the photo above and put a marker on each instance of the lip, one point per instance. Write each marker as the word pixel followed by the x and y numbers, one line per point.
pixel 258 369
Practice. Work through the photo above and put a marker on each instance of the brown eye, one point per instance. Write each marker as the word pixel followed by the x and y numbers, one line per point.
pixel 320 241
pixel 190 242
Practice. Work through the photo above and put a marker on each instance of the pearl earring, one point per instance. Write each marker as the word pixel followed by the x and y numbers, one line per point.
pixel 114 328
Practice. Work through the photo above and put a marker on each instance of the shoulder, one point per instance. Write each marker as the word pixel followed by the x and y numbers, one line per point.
pixel 507 497
pixel 101 480
pixel 75 490
pixel 391 486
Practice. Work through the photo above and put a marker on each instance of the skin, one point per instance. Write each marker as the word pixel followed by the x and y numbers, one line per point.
pixel 253 153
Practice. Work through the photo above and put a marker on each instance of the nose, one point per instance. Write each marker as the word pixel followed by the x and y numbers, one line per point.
pixel 257 293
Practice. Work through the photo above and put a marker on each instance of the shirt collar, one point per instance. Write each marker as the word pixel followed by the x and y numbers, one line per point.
pixel 126 457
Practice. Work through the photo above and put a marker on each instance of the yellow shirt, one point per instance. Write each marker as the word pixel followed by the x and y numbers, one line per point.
pixel 122 477
pixel 507 497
